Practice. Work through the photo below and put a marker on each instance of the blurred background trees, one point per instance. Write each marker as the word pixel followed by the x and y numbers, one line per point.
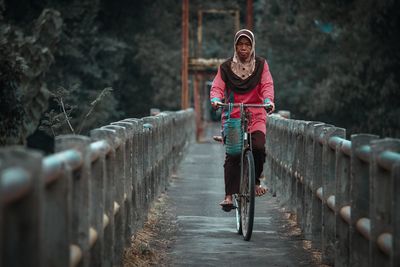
pixel 333 61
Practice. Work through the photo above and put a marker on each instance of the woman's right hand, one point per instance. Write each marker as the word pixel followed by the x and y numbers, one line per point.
pixel 215 104
pixel 270 107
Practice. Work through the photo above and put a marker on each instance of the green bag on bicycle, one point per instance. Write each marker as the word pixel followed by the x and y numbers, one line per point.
pixel 233 134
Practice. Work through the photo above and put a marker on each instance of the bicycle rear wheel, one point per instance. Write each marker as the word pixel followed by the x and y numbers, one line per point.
pixel 247 194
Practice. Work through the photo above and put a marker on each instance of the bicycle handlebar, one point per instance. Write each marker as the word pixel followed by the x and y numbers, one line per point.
pixel 268 107
pixel 245 105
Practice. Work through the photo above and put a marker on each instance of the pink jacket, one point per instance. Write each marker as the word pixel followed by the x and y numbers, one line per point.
pixel 264 90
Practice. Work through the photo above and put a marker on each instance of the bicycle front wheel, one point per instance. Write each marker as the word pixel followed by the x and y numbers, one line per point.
pixel 247 194
pixel 236 202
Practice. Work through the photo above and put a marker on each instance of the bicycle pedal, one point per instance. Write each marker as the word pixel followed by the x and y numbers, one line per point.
pixel 228 208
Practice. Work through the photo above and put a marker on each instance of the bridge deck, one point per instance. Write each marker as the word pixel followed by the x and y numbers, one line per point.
pixel 207 235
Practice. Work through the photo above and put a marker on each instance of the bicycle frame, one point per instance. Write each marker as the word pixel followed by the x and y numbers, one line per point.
pixel 244 200
pixel 244 114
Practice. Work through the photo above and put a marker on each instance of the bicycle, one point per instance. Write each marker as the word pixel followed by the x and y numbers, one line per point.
pixel 244 201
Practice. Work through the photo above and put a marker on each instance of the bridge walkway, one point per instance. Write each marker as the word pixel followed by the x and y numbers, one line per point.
pixel 207 235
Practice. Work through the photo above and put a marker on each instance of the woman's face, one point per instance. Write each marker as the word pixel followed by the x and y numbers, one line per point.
pixel 243 48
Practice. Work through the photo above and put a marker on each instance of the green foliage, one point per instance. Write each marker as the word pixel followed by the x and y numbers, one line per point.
pixel 79 56
pixel 335 61
pixel 158 51
pixel 71 117
pixel 23 63
pixel 11 107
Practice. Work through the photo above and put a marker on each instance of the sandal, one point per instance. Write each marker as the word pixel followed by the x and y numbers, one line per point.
pixel 218 138
pixel 227 205
pixel 260 190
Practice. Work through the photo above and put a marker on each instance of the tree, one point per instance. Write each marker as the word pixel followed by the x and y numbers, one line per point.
pixel 24 61
pixel 335 61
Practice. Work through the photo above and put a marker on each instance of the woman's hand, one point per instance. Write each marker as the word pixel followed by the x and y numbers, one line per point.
pixel 215 104
pixel 270 108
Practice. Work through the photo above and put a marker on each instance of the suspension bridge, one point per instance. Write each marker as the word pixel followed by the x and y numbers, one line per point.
pixel 330 194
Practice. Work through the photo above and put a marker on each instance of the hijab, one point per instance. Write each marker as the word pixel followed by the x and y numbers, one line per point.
pixel 242 77
pixel 246 68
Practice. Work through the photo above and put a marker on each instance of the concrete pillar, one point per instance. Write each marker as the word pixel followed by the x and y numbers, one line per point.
pixel 21 221
pixel 57 174
pixel 110 137
pixel 329 188
pixel 81 186
pixel 316 204
pixel 359 198
pixel 342 201
pixel 119 183
pixel 381 199
pixel 128 185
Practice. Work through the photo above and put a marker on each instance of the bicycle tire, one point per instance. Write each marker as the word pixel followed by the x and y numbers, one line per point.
pixel 247 194
pixel 236 202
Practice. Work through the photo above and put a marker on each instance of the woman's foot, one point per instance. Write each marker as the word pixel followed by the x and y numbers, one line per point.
pixel 260 190
pixel 218 138
pixel 227 201
pixel 227 204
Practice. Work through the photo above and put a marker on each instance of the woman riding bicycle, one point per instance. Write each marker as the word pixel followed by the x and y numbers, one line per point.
pixel 244 78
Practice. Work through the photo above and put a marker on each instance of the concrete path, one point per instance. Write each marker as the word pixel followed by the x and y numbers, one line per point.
pixel 207 235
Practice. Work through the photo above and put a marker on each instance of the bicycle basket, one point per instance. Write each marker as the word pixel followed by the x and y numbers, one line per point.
pixel 233 136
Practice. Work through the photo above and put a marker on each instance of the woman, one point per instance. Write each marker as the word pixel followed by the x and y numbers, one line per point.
pixel 244 78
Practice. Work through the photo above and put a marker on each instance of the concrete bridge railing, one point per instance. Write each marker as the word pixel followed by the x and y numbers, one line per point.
pixel 345 193
pixel 81 205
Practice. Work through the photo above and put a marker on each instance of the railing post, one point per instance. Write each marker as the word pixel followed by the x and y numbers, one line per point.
pixel 120 195
pixel 342 203
pixel 159 154
pixel 156 156
pixel 279 152
pixel 290 163
pixel 137 169
pixel 316 185
pixel 150 127
pixel 174 142
pixel 269 147
pixel 396 214
pixel 21 222
pixel 275 157
pixel 98 184
pixel 329 186
pixel 110 137
pixel 57 210
pixel 142 169
pixel 164 135
pixel 298 161
pixel 273 152
pixel 155 146
pixel 284 198
pixel 170 143
pixel 128 185
pixel 381 201
pixel 147 165
pixel 359 198
pixel 305 176
pixel 81 206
